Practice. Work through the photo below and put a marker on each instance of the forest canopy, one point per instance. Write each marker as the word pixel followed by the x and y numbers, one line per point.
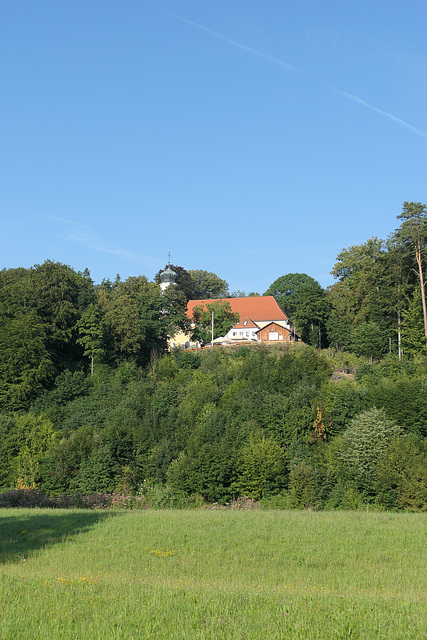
pixel 92 399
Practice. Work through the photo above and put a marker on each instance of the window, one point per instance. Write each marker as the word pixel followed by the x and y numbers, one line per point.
pixel 245 323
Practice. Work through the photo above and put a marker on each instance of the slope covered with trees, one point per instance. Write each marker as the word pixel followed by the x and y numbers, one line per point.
pixel 91 400
pixel 261 422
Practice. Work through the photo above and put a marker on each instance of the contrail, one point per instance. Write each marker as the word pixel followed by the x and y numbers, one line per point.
pixel 104 246
pixel 77 233
pixel 363 103
pixel 72 222
pixel 289 67
pixel 239 45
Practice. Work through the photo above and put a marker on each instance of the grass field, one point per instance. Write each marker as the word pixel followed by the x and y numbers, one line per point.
pixel 212 574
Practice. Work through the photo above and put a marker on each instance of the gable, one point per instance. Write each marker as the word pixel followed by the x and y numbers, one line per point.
pixel 245 323
pixel 273 326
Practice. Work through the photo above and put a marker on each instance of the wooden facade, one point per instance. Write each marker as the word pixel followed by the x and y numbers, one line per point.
pixel 274 332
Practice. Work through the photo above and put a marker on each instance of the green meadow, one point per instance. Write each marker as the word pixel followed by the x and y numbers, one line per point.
pixel 212 574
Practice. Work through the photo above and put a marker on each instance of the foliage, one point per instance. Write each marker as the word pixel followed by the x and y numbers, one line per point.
pixel 30 440
pixel 369 292
pixel 369 341
pixel 413 231
pixel 366 438
pixel 99 472
pixel 209 284
pixel 302 492
pixel 39 308
pixel 26 365
pixel 401 477
pixel 269 422
pixel 412 330
pixel 261 468
pixel 285 290
pixel 91 330
pixel 223 320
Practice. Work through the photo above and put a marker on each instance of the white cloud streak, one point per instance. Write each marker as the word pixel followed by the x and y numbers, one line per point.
pixel 104 246
pixel 290 67
pixel 239 45
pixel 76 224
pixel 76 234
pixel 363 103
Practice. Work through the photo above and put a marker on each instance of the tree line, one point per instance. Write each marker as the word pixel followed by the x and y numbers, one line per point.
pixel 91 399
pixel 377 306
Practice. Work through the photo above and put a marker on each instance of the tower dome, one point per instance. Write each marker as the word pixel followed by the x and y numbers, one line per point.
pixel 167 277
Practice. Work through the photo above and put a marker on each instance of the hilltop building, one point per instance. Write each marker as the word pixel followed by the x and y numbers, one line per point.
pixel 260 320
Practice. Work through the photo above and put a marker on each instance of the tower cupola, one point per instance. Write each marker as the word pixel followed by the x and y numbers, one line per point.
pixel 167 277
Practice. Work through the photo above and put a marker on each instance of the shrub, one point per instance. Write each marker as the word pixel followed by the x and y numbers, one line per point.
pixel 261 468
pixel 401 479
pixel 367 437
pixel 302 492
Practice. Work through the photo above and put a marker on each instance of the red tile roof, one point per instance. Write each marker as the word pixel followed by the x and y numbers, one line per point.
pixel 259 309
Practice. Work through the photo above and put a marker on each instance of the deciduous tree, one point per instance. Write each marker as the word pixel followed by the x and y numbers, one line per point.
pixel 91 329
pixel 209 284
pixel 413 230
pixel 223 320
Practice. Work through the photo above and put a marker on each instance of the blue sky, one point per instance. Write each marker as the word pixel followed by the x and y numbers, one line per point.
pixel 248 138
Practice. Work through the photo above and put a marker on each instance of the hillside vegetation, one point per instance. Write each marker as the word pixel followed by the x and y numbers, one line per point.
pixel 92 401
pixel 279 425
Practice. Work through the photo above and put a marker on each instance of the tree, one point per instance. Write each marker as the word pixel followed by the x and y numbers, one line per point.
pixel 140 318
pixel 366 438
pixel 123 323
pixel 368 340
pixel 52 297
pixel 399 281
pixel 261 467
pixel 339 332
pixel 32 437
pixel 358 270
pixel 25 366
pixel 223 319
pixel 209 284
pixel 91 329
pixel 311 313
pixel 99 472
pixel 285 290
pixel 401 478
pixel 412 327
pixel 304 301
pixel 413 230
pixel 56 292
pixel 173 312
pixel 369 290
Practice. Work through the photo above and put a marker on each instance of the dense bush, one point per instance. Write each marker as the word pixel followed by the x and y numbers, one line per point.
pixel 269 424
pixel 367 437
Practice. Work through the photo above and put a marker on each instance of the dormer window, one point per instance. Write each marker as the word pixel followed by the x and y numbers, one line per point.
pixel 245 323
